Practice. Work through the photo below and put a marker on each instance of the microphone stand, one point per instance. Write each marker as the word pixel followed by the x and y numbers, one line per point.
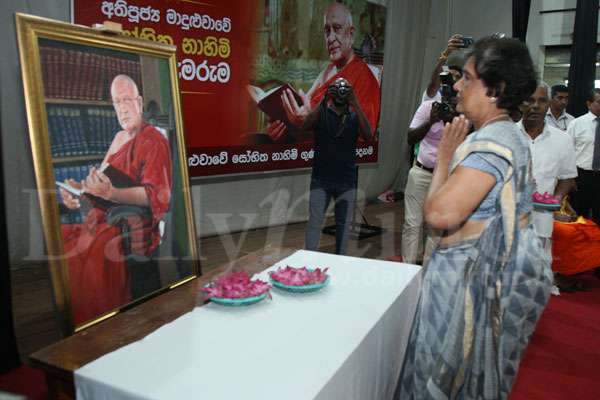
pixel 358 230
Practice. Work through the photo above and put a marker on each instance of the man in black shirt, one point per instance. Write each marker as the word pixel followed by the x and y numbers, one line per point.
pixel 336 122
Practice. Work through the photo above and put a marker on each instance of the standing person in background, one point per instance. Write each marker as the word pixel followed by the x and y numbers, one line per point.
pixel 489 279
pixel 337 122
pixel 585 132
pixel 557 116
pixel 553 159
pixel 425 128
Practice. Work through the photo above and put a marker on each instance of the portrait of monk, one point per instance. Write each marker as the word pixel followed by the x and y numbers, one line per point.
pixel 140 156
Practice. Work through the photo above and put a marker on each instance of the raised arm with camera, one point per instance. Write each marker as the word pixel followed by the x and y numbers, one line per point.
pixel 454 43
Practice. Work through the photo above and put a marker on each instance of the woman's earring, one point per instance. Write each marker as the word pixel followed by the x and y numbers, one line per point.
pixel 493 99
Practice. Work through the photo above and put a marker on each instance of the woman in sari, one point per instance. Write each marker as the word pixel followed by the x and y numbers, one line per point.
pixel 488 281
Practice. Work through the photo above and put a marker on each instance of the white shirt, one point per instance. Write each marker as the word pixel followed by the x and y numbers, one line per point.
pixel 562 122
pixel 552 159
pixel 583 132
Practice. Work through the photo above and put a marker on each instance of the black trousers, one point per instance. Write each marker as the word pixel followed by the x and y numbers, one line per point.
pixel 586 199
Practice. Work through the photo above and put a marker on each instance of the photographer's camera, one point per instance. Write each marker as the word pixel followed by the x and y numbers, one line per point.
pixel 445 109
pixel 341 89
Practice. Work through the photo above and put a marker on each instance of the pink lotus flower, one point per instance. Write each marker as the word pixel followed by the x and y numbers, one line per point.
pixel 236 285
pixel 299 276
pixel 545 198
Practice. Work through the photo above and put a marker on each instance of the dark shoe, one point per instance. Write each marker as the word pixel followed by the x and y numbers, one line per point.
pixel 564 283
pixel 566 288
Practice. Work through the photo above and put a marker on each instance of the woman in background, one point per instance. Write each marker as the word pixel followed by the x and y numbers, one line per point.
pixel 488 281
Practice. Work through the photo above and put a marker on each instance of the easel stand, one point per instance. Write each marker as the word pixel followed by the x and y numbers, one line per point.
pixel 358 230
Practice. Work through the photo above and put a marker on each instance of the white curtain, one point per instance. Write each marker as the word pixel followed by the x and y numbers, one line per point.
pixel 407 29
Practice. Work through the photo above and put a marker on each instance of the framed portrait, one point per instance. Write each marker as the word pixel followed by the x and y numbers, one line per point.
pixel 108 149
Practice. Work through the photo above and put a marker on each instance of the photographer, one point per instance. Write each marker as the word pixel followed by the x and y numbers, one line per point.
pixel 336 121
pixel 425 128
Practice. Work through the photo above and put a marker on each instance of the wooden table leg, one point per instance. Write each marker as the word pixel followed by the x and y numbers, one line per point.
pixel 59 389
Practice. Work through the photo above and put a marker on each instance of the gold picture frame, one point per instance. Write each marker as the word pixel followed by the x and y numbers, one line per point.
pixel 104 115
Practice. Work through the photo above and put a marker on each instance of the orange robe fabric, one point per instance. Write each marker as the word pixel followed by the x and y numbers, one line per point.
pixel 97 272
pixel 365 86
pixel 575 246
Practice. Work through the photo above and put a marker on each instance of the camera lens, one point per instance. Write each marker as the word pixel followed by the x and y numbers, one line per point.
pixel 340 90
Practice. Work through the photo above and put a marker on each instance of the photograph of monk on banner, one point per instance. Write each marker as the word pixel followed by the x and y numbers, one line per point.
pixel 305 55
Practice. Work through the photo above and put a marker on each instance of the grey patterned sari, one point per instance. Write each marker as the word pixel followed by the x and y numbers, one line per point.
pixel 482 294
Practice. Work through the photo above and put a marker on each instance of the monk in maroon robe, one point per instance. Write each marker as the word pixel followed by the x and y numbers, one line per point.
pixel 339 38
pixel 97 272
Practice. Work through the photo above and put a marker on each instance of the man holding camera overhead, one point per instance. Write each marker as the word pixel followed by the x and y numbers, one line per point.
pixel 337 122
pixel 426 129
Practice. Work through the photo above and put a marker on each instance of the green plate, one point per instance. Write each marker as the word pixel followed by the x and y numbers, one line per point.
pixel 300 289
pixel 243 301
pixel 549 207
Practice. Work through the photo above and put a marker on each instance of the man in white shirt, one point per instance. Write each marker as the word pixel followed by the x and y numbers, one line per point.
pixel 553 158
pixel 585 132
pixel 556 116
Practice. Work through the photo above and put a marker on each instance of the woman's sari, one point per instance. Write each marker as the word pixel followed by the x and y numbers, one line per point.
pixel 484 289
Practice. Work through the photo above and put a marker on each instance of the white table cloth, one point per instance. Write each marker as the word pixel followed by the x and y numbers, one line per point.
pixel 346 341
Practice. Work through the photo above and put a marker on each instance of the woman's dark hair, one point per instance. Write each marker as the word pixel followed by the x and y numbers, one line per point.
pixel 505 67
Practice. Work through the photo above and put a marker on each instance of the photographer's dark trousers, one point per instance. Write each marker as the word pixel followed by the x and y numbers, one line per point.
pixel 321 193
pixel 587 197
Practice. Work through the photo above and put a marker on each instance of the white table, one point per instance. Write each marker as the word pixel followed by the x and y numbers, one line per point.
pixel 346 342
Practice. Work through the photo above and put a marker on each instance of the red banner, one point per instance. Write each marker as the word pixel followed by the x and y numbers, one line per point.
pixel 223 47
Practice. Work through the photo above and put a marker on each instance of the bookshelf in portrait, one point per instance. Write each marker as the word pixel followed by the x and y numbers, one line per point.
pixel 105 110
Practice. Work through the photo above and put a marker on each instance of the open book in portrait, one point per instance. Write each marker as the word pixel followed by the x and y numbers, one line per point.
pixel 117 178
pixel 270 101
